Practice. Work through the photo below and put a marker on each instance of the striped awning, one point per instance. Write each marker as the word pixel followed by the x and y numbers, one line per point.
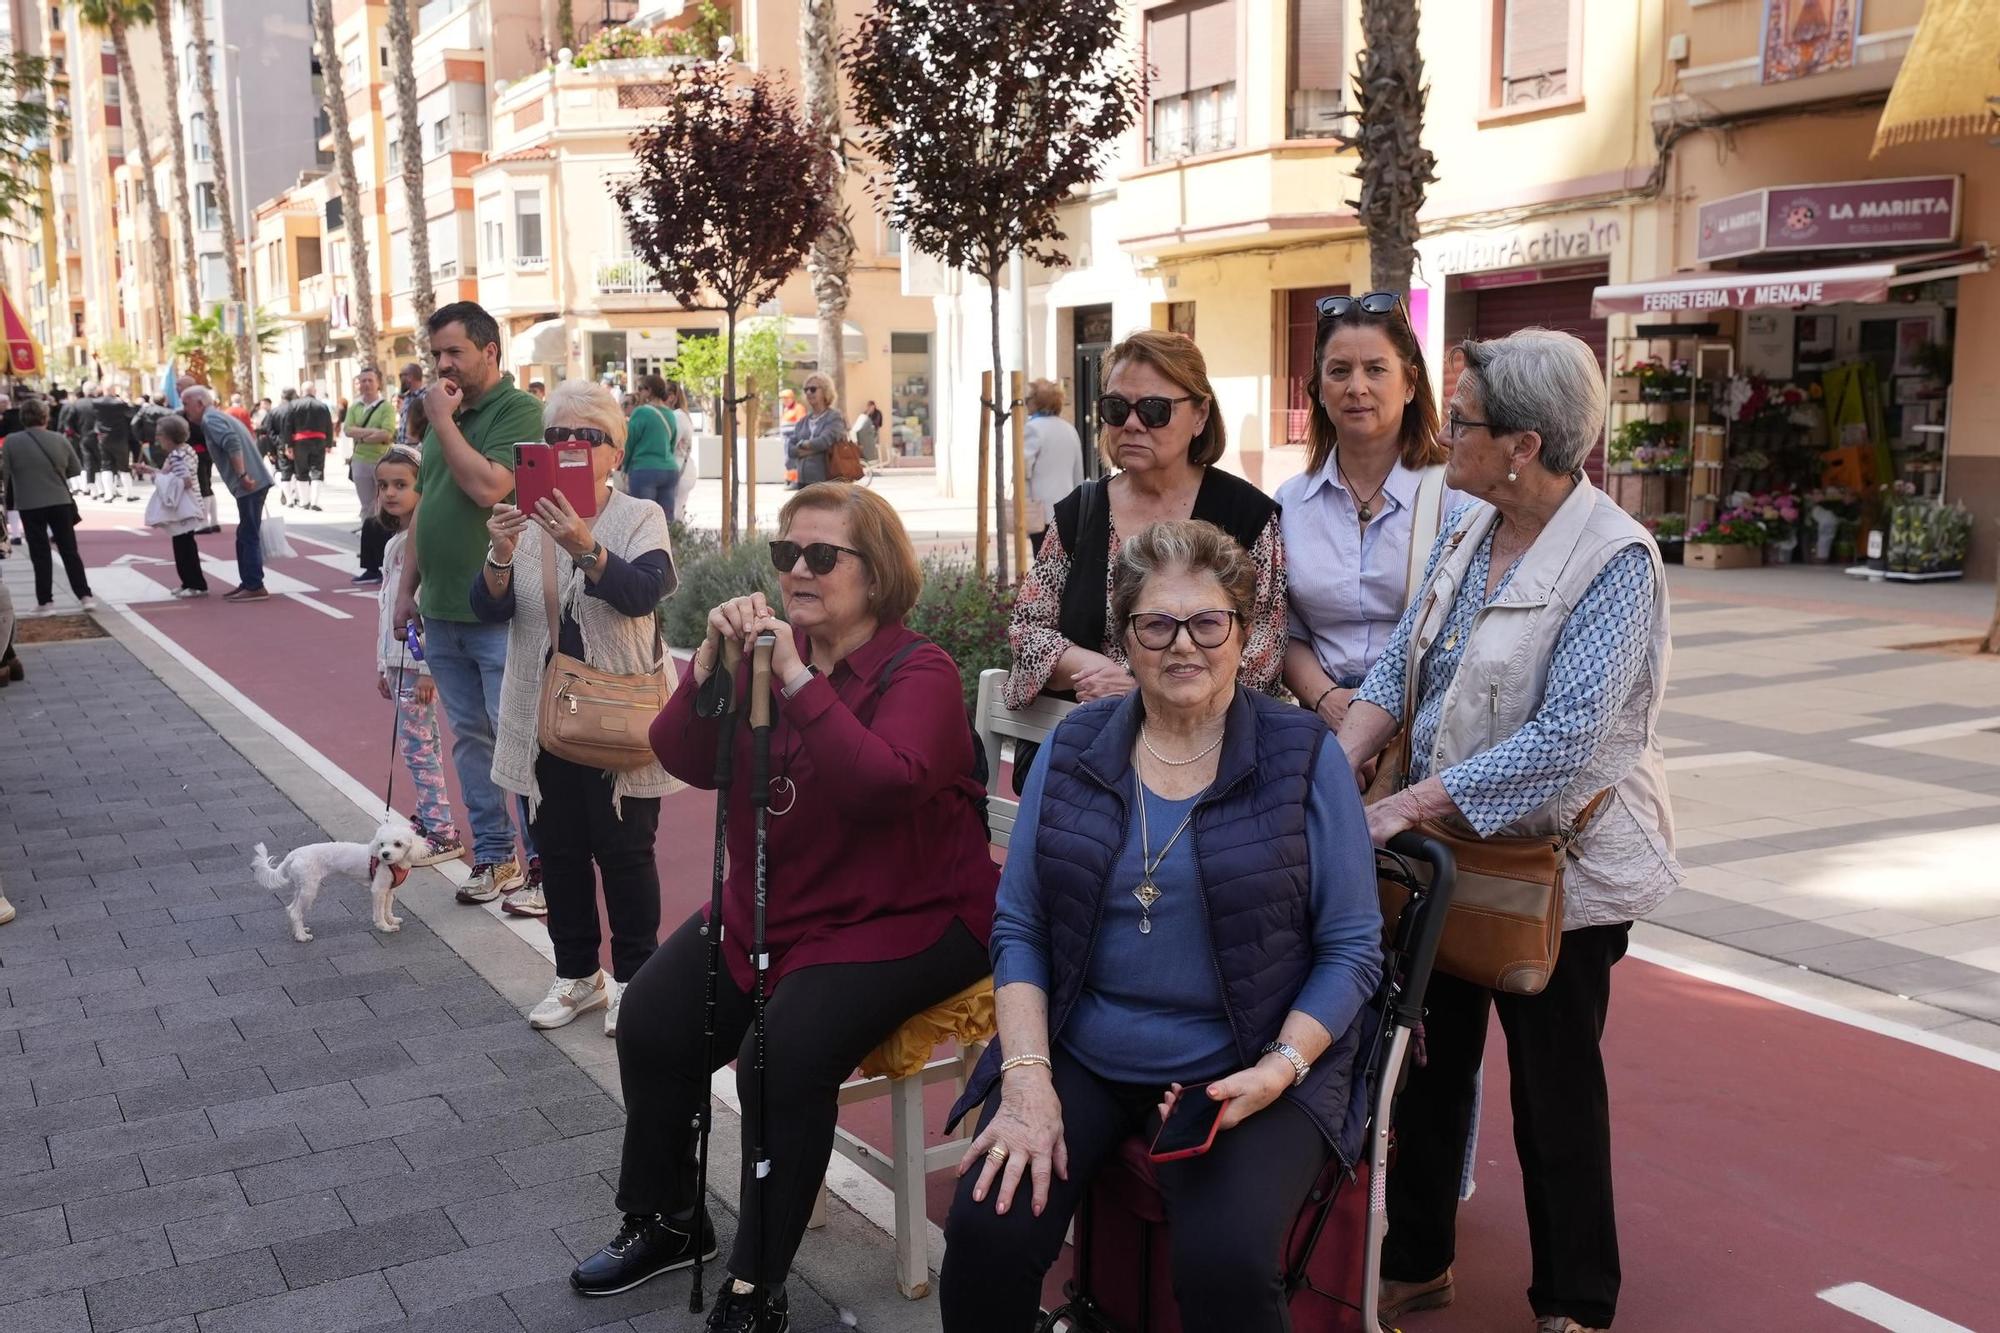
pixel 1949 86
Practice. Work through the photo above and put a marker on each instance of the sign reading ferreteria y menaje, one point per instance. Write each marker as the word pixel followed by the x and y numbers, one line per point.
pixel 1842 215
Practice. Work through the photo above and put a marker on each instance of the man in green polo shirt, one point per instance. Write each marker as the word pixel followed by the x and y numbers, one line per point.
pixel 371 425
pixel 476 417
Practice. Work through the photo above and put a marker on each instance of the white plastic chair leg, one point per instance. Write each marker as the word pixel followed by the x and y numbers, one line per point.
pixel 913 1270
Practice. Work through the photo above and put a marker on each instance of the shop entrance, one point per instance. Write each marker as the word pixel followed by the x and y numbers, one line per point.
pixel 1503 304
pixel 1092 328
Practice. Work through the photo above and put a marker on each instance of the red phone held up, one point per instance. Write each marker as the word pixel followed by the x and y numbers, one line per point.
pixel 541 470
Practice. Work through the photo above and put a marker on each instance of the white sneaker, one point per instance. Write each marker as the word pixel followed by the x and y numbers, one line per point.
pixel 567 998
pixel 617 989
pixel 90 603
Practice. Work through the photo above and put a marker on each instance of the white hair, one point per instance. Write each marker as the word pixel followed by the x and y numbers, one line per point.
pixel 578 402
pixel 1544 381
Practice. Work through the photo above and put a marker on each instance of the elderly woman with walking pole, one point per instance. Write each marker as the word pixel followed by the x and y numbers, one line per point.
pixel 1527 679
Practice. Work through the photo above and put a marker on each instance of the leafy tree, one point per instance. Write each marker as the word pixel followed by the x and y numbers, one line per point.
pixel 984 117
pixel 211 350
pixel 703 37
pixel 357 223
pixel 116 18
pixel 26 122
pixel 731 188
pixel 1389 96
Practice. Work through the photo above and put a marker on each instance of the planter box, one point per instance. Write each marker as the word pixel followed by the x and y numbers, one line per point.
pixel 1624 388
pixel 1713 555
pixel 1644 494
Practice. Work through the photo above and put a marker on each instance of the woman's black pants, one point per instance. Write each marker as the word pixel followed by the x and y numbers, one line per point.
pixel 187 562
pixel 1562 1129
pixel 1229 1211
pixel 53 525
pixel 819 1023
pixel 575 826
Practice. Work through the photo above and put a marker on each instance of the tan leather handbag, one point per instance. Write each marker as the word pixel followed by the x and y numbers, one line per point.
pixel 1504 927
pixel 592 717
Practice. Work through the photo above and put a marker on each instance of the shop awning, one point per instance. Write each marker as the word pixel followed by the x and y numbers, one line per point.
pixel 541 344
pixel 1949 85
pixel 1719 289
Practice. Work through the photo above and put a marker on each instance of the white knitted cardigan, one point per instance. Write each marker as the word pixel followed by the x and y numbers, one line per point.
pixel 627 645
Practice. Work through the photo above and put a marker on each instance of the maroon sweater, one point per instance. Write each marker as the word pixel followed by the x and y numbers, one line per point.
pixel 882 848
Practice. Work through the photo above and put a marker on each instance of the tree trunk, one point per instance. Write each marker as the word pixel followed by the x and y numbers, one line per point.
pixel 831 260
pixel 423 297
pixel 729 470
pixel 139 153
pixel 218 138
pixel 183 209
pixel 1395 167
pixel 1992 644
pixel 999 410
pixel 367 340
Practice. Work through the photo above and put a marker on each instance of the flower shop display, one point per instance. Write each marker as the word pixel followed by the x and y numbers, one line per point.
pixel 1658 379
pixel 1648 446
pixel 1752 399
pixel 1735 540
pixel 1927 540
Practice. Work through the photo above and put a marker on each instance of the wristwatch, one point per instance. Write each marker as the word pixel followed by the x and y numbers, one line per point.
pixel 588 560
pixel 1298 1062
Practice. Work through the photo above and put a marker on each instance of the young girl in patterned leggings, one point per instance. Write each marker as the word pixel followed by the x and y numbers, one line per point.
pixel 402 676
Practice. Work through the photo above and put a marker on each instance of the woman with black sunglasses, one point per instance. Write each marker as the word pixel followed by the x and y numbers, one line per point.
pixel 611 570
pixel 1159 425
pixel 879 903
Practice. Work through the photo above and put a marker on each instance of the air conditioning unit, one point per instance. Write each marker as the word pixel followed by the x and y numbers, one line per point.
pixel 1317 113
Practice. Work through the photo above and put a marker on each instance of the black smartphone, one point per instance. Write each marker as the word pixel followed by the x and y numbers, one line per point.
pixel 1190 1127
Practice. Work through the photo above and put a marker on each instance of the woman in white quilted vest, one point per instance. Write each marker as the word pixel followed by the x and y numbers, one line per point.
pixel 1540 659
pixel 610 573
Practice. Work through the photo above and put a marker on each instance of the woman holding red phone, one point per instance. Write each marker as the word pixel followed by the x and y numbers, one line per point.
pixel 1188 909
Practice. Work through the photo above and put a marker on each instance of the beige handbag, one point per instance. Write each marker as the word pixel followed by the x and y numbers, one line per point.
pixel 587 716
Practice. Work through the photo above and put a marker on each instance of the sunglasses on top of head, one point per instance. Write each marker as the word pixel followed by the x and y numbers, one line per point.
pixel 1370 303
pixel 576 434
pixel 1154 410
pixel 821 557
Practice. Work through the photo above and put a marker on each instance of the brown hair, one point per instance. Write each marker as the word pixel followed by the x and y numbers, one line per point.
pixel 878 534
pixel 1045 396
pixel 1182 545
pixel 654 387
pixel 1420 415
pixel 1175 356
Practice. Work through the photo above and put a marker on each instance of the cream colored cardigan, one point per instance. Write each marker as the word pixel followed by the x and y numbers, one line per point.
pixel 627 645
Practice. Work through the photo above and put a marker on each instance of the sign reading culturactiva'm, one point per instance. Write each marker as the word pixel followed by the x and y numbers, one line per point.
pixel 1843 215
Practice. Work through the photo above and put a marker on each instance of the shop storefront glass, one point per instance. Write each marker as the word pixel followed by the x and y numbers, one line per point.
pixel 910 375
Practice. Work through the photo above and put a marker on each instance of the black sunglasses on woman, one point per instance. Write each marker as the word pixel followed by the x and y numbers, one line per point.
pixel 821 557
pixel 1370 303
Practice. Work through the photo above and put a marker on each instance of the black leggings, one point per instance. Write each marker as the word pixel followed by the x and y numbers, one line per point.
pixel 53 525
pixel 819 1023
pixel 187 562
pixel 574 826
pixel 1230 1210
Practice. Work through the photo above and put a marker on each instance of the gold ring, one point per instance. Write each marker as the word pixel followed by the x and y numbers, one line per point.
pixel 998 1152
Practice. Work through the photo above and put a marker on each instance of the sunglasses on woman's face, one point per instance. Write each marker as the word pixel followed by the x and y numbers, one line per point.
pixel 1373 303
pixel 579 434
pixel 821 557
pixel 1157 630
pixel 1154 411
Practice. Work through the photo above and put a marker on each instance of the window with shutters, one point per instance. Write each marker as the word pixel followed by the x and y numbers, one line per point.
pixel 1192 49
pixel 1536 46
pixel 1317 94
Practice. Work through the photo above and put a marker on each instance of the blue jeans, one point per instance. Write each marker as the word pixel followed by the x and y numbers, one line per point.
pixel 467 662
pixel 657 484
pixel 250 539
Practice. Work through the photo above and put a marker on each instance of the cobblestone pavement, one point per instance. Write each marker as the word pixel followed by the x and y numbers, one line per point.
pixel 211 1127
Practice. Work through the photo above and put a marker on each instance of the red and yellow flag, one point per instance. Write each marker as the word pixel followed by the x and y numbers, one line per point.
pixel 24 354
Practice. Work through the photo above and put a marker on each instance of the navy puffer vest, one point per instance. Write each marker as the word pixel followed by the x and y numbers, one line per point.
pixel 1253 873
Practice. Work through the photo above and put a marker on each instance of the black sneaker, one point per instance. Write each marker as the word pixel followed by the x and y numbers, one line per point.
pixel 742 1308
pixel 644 1248
pixel 368 578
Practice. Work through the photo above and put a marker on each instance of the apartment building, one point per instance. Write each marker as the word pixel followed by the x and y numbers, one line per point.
pixel 42 266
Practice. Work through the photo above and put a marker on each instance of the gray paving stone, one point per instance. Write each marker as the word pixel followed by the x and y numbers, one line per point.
pixel 182 1093
pixel 384 1122
pixel 20 1154
pixel 155 1206
pixel 262 977
pixel 352 984
pixel 250 1228
pixel 96 1082
pixel 111 1028
pixel 299 1017
pixel 170 1041
pixel 367 1248
pixel 230 1152
pixel 550 1085
pixel 54 1118
pixel 1786 940
pixel 568 1157
pixel 441 995
pixel 214 965
pixel 521 1261
pixel 485 1010
pixel 67 1184
pixel 1978 1001
pixel 227 1280
pixel 188 1012
pixel 134 1136
pixel 510 1034
pixel 284 1107
pixel 27 1233
pixel 244 1054
pixel 433 1187
pixel 338 1066
pixel 521 1060
pixel 148 997
pixel 1854 957
pixel 70 1266
pixel 38 1012
pixel 551 1307
pixel 540 1207
pixel 488 1314
pixel 441 1076
pixel 333 1307
pixel 63 1312
pixel 1921 976
pixel 322 1171
pixel 483 1137
pixel 584 1115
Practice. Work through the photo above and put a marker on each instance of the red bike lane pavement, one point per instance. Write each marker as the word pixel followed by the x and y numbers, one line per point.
pixel 1764 1153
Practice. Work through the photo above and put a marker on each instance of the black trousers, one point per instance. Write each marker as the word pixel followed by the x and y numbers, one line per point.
pixel 187 562
pixel 204 471
pixel 117 453
pixel 819 1023
pixel 374 544
pixel 1230 1211
pixel 53 525
pixel 1562 1129
pixel 576 826
pixel 93 458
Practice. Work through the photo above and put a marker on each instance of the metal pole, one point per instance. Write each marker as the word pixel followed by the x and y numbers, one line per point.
pixel 249 240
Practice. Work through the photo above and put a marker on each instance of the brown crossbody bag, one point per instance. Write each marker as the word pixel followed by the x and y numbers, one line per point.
pixel 1504 928
pixel 590 717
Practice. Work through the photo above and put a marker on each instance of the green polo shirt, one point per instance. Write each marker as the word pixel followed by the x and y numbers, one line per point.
pixel 450 542
pixel 382 416
pixel 649 440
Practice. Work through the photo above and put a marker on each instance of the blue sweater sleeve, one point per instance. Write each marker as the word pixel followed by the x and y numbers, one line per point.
pixel 632 587
pixel 1346 914
pixel 490 608
pixel 1020 930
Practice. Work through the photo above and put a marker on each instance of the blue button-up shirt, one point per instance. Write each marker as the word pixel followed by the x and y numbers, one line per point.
pixel 1348 585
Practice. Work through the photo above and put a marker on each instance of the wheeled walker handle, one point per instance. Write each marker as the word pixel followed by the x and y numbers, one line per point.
pixel 1409 1006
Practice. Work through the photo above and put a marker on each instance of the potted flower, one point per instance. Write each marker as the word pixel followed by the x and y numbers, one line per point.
pixel 1735 540
pixel 1779 512
pixel 1670 533
pixel 1927 539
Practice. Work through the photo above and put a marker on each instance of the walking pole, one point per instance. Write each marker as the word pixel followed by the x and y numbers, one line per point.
pixel 716 700
pixel 760 801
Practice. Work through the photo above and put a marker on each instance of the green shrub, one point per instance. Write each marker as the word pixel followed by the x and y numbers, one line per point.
pixel 709 578
pixel 965 614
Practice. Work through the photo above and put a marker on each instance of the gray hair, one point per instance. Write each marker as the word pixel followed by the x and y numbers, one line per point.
pixel 200 391
pixel 1176 546
pixel 1544 381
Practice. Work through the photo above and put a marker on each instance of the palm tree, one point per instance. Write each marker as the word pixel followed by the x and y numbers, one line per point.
pixel 350 188
pixel 423 298
pixel 170 68
pixel 204 68
pixel 114 16
pixel 1395 166
pixel 831 260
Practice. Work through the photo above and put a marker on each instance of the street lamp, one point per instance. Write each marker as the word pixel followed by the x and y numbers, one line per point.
pixel 243 212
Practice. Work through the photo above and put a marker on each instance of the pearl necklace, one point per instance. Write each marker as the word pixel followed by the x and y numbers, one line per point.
pixel 1177 763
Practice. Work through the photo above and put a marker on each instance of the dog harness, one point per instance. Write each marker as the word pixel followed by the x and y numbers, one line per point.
pixel 397 874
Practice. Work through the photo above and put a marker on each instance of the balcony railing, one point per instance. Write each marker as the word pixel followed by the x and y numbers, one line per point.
pixel 1207 136
pixel 532 263
pixel 626 275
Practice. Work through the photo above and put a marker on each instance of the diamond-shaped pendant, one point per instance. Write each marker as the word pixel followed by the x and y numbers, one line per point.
pixel 1147 893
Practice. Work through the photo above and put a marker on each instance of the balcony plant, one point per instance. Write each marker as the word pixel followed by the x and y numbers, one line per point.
pixel 619 43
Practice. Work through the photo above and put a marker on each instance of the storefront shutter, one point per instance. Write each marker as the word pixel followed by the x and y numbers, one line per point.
pixel 1563 305
pixel 1536 54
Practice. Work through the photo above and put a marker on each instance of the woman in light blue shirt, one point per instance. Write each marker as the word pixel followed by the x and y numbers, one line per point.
pixel 1359 520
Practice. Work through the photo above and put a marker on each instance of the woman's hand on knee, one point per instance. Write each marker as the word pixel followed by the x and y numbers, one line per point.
pixel 1029 1132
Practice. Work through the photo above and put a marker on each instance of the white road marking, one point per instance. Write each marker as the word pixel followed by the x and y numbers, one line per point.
pixel 140 560
pixel 114 584
pixel 319 606
pixel 1944 731
pixel 1880 1308
pixel 1731 759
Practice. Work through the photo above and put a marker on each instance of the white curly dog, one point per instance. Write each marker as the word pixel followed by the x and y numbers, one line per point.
pixel 382 864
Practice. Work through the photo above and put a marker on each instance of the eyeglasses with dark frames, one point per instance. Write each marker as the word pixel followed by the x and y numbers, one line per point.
pixel 820 557
pixel 1455 426
pixel 1157 630
pixel 1370 303
pixel 1154 410
pixel 578 434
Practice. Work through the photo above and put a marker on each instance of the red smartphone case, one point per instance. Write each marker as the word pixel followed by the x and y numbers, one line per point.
pixel 1192 1150
pixel 541 470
